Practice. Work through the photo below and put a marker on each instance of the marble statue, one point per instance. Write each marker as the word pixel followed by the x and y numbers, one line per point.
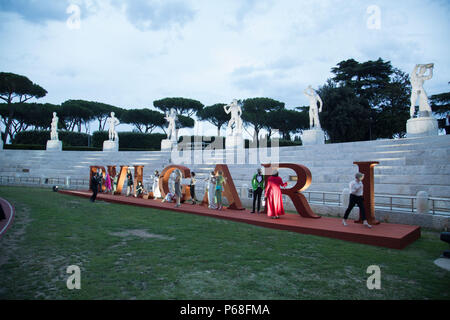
pixel 54 144
pixel 113 122
pixel 417 78
pixel 313 110
pixel 54 128
pixel 236 112
pixel 171 129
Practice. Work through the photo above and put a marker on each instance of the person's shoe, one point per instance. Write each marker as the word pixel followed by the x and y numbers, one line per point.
pixel 252 212
pixel 367 224
pixel 344 223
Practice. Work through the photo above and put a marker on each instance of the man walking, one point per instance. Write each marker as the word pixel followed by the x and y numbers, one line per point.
pixel 94 186
pixel 356 197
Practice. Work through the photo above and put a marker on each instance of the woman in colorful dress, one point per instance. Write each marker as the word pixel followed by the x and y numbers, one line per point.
pixel 274 199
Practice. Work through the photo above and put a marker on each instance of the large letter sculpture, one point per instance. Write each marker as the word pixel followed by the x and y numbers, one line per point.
pixel 366 168
pixel 229 189
pixel 303 183
pixel 138 175
pixel 164 181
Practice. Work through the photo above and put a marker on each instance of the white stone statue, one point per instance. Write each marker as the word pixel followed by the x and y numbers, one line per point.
pixel 236 112
pixel 171 129
pixel 417 78
pixel 313 110
pixel 54 128
pixel 113 122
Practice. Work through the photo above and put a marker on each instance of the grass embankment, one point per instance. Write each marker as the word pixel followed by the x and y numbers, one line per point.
pixel 127 252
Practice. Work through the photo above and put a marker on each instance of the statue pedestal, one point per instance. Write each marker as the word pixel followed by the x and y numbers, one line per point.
pixel 54 145
pixel 110 145
pixel 168 145
pixel 313 137
pixel 422 127
pixel 236 141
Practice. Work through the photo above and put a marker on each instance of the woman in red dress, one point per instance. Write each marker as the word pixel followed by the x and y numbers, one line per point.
pixel 274 199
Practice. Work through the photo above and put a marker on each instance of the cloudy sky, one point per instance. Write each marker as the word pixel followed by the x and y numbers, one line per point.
pixel 130 53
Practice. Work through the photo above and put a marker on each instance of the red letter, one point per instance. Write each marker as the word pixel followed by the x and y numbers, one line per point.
pixel 164 181
pixel 303 182
pixel 229 189
pixel 366 168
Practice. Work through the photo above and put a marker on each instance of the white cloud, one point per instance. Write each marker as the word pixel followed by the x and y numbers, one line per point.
pixel 133 53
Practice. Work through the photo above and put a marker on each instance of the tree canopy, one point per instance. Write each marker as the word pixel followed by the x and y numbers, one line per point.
pixel 375 98
pixel 183 106
pixel 255 110
pixel 76 113
pixel 13 87
pixel 286 121
pixel 145 120
pixel 215 115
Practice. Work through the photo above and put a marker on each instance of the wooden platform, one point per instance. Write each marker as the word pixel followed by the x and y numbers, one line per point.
pixel 395 236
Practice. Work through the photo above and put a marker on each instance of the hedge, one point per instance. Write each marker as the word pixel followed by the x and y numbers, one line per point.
pixel 24 147
pixel 68 138
pixel 131 140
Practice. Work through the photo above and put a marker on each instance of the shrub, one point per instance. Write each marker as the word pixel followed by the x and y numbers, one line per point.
pixel 68 138
pixel 23 147
pixel 131 140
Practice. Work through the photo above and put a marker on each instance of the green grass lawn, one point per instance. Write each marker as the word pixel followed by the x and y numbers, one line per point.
pixel 127 252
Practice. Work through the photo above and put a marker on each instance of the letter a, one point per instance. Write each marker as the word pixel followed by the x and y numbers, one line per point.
pixel 74 281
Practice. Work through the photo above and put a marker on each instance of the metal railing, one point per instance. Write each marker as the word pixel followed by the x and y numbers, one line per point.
pixel 402 203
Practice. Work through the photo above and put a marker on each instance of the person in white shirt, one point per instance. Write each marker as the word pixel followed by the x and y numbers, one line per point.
pixel 356 197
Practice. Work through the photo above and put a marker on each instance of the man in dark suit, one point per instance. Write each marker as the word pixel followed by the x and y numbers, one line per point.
pixel 94 186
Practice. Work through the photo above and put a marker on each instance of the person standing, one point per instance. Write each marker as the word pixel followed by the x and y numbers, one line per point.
pixel 100 180
pixel 108 182
pixel 178 187
pixel 192 188
pixel 258 187
pixel 220 181
pixel 274 197
pixel 211 189
pixel 116 180
pixel 156 191
pixel 129 183
pixel 356 197
pixel 94 186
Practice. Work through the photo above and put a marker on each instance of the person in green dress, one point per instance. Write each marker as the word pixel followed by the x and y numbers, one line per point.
pixel 220 181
